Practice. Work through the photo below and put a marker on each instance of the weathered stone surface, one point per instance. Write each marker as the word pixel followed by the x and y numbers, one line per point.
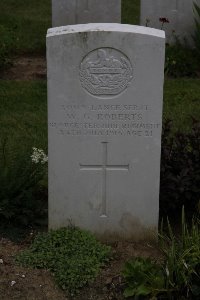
pixel 68 12
pixel 180 14
pixel 105 89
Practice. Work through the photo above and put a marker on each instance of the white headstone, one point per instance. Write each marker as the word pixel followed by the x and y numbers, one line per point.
pixel 68 12
pixel 179 13
pixel 105 89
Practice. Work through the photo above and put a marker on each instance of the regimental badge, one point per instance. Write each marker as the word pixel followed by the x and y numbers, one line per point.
pixel 105 72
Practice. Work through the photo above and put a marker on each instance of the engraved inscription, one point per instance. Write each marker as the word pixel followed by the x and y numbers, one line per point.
pixel 104 168
pixel 129 120
pixel 105 72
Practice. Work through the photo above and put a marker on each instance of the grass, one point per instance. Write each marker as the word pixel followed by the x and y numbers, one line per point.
pixel 23 122
pixel 181 101
pixel 26 23
pixel 176 275
pixel 130 12
pixel 23 112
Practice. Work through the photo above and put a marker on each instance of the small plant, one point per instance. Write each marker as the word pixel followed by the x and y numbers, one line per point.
pixel 177 276
pixel 143 277
pixel 181 265
pixel 163 21
pixel 39 156
pixel 73 255
pixel 22 193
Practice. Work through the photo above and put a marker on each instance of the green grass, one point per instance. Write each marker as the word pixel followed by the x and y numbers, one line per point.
pixel 181 101
pixel 26 23
pixel 130 11
pixel 23 112
pixel 23 123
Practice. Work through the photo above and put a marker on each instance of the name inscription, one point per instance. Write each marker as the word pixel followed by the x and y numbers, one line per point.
pixel 105 120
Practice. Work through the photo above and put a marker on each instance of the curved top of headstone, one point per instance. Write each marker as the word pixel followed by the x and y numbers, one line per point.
pixel 114 27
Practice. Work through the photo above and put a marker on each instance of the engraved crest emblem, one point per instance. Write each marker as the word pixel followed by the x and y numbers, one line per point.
pixel 105 72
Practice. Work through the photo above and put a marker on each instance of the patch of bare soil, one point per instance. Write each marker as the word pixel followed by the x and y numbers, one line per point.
pixel 26 68
pixel 24 283
pixel 30 284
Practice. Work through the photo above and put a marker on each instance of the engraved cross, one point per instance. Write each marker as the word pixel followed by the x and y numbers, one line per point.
pixel 104 167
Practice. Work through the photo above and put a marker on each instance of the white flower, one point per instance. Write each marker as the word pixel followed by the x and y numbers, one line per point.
pixel 39 156
pixel 1 261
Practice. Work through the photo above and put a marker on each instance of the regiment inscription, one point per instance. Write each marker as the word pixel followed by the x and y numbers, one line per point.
pixel 106 120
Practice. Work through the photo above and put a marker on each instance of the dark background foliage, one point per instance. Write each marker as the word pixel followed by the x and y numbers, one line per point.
pixel 180 170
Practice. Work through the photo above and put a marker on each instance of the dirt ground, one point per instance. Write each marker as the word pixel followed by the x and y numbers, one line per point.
pixel 30 284
pixel 26 68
